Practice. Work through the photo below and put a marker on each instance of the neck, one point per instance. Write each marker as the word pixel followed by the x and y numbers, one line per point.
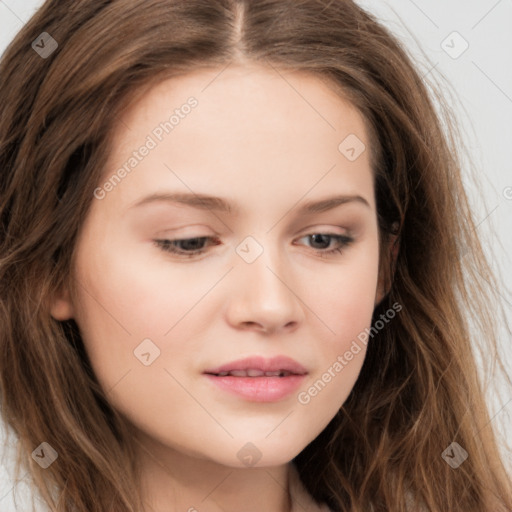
pixel 172 480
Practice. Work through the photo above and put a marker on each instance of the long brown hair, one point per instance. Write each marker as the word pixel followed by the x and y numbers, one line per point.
pixel 419 388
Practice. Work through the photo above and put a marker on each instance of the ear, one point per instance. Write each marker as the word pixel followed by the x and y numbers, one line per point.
pixel 61 307
pixel 387 267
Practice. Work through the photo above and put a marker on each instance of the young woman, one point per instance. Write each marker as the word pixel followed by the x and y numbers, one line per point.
pixel 237 265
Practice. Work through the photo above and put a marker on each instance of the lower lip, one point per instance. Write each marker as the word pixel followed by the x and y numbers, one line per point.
pixel 259 389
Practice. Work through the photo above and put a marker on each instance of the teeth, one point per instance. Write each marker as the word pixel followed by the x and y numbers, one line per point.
pixel 238 373
pixel 254 373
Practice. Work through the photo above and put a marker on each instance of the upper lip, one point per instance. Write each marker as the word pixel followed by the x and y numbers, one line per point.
pixel 278 363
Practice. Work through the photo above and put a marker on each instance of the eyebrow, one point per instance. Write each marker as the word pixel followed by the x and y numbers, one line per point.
pixel 206 202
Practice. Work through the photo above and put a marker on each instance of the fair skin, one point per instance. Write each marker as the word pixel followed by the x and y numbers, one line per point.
pixel 267 148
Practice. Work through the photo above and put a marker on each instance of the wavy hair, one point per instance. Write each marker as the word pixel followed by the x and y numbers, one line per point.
pixel 419 389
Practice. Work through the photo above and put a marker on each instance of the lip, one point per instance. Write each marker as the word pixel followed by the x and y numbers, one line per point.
pixel 260 363
pixel 259 389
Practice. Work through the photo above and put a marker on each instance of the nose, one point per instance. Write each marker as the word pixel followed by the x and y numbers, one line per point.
pixel 265 295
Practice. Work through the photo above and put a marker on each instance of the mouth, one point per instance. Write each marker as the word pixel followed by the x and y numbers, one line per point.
pixel 257 366
pixel 257 379
pixel 254 373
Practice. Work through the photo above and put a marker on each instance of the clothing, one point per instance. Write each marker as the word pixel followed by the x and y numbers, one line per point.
pixel 302 501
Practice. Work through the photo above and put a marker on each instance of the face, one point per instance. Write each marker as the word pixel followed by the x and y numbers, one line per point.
pixel 267 269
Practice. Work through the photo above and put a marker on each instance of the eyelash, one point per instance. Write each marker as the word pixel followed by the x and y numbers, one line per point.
pixel 167 245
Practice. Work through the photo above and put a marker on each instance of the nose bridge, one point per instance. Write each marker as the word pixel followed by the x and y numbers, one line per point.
pixel 264 285
pixel 260 256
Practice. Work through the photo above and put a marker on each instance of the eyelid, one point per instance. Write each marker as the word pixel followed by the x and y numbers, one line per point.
pixel 325 229
pixel 194 227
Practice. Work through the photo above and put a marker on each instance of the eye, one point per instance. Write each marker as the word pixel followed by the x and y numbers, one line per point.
pixel 190 247
pixel 325 239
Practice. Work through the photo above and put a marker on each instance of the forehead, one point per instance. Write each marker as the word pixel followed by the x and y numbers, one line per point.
pixel 230 96
pixel 251 125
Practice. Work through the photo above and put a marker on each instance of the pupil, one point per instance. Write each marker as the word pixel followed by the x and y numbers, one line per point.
pixel 326 238
pixel 193 243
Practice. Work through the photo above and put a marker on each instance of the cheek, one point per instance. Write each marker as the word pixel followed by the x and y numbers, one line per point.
pixel 346 307
pixel 123 308
pixel 347 300
pixel 126 300
pixel 131 295
pixel 340 356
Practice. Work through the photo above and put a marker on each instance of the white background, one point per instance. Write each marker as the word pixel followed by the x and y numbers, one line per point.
pixel 478 84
